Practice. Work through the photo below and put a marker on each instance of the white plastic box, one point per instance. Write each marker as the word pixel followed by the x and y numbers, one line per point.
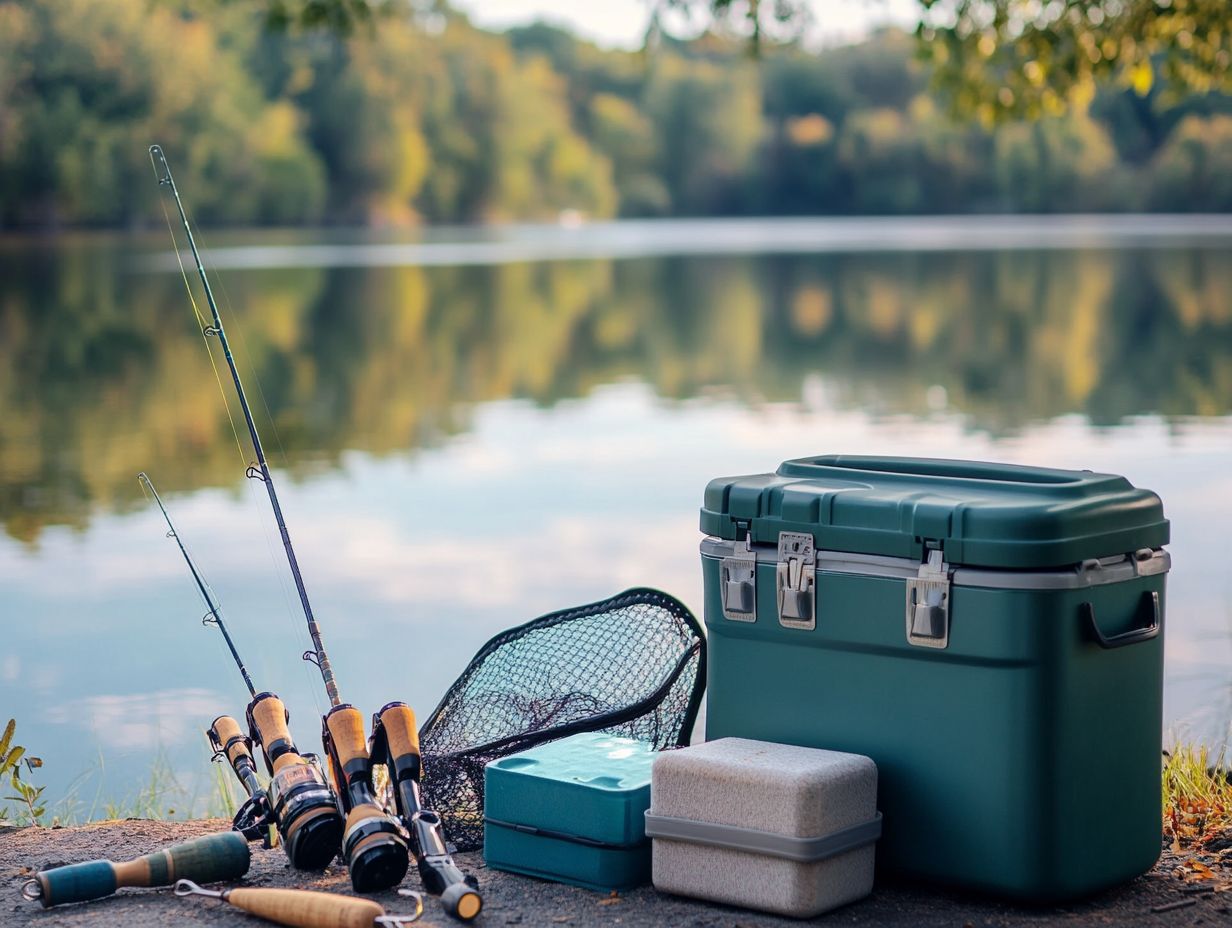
pixel 772 827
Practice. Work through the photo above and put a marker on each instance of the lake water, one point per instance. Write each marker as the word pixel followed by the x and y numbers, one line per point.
pixel 472 428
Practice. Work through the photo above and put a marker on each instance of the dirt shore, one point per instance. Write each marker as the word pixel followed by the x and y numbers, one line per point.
pixel 1160 898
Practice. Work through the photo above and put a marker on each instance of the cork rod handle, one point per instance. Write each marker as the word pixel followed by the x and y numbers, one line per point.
pixel 268 715
pixel 399 724
pixel 226 732
pixel 346 730
pixel 304 909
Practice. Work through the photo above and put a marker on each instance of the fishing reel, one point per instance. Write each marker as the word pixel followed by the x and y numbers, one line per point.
pixel 254 819
pixel 373 844
pixel 299 800
pixel 395 743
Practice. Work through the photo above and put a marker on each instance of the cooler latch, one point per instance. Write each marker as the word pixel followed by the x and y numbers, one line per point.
pixel 738 579
pixel 795 579
pixel 928 603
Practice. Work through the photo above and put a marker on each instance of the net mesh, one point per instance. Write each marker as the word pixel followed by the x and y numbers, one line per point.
pixel 633 665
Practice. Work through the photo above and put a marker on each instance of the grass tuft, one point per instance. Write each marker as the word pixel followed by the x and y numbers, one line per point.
pixel 1197 793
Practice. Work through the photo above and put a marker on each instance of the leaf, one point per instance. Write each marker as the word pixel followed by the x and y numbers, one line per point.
pixel 14 756
pixel 7 736
pixel 1202 871
pixel 1141 77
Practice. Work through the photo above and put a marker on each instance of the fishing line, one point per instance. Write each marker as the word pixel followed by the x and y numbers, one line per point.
pixel 202 324
pixel 201 327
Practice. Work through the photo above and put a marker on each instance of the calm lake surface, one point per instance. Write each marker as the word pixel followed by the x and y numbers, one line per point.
pixel 472 428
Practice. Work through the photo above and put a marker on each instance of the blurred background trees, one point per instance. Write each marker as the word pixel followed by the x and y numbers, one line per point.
pixel 394 112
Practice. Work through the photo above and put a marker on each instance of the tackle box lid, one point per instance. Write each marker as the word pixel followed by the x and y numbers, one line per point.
pixel 981 514
pixel 592 788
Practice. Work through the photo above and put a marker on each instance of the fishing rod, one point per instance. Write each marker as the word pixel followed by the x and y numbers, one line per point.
pixel 261 470
pixel 299 802
pixel 372 844
pixel 214 616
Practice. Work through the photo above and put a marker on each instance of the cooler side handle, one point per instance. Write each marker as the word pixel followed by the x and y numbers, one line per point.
pixel 1133 636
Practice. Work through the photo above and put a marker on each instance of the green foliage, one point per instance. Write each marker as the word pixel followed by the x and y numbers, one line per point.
pixel 1197 799
pixel 425 118
pixel 707 119
pixel 87 86
pixel 12 756
pixel 1009 58
pixel 1193 171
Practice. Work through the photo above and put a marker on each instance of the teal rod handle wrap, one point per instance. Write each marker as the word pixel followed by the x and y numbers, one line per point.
pixel 212 859
pixel 76 883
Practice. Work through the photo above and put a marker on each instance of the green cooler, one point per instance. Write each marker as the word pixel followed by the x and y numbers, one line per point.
pixel 990 635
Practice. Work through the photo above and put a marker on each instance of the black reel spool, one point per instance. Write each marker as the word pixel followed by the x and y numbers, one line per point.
pixel 307 817
pixel 301 803
pixel 373 844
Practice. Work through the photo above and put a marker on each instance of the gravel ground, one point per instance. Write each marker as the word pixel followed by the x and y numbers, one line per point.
pixel 1158 898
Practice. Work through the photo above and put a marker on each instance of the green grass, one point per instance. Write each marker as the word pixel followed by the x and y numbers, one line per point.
pixel 1197 794
pixel 160 795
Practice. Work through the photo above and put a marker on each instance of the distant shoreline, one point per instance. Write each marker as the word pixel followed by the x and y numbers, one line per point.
pixel 451 246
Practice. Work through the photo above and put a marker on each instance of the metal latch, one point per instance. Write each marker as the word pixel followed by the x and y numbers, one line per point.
pixel 738 580
pixel 928 603
pixel 795 580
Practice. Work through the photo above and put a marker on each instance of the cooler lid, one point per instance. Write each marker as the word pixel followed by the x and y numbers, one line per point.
pixel 981 514
pixel 592 786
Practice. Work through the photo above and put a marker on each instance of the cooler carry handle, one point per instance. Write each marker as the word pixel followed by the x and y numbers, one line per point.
pixel 862 467
pixel 1087 611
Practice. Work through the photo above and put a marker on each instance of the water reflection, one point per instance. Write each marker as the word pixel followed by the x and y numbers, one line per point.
pixel 102 372
pixel 564 416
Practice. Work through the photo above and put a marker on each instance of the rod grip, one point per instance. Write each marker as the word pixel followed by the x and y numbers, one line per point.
pixel 227 734
pixel 306 909
pixel 268 717
pixel 400 731
pixel 76 883
pixel 346 731
pixel 209 859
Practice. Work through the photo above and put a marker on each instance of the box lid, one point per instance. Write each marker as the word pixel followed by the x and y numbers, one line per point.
pixel 980 514
pixel 591 786
pixel 774 789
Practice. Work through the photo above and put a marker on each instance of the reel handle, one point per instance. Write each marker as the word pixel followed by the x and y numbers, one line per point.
pixel 210 859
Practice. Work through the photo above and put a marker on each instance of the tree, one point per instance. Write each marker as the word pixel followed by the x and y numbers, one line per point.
pixel 85 88
pixel 708 121
pixel 1001 58
pixel 1193 171
pixel 997 59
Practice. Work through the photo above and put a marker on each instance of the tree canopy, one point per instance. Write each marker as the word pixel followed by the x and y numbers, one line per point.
pixel 426 118
pixel 994 58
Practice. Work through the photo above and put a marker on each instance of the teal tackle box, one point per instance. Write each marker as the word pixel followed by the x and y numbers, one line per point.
pixel 990 635
pixel 572 811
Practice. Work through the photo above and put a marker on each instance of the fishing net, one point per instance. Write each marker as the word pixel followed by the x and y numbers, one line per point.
pixel 633 665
